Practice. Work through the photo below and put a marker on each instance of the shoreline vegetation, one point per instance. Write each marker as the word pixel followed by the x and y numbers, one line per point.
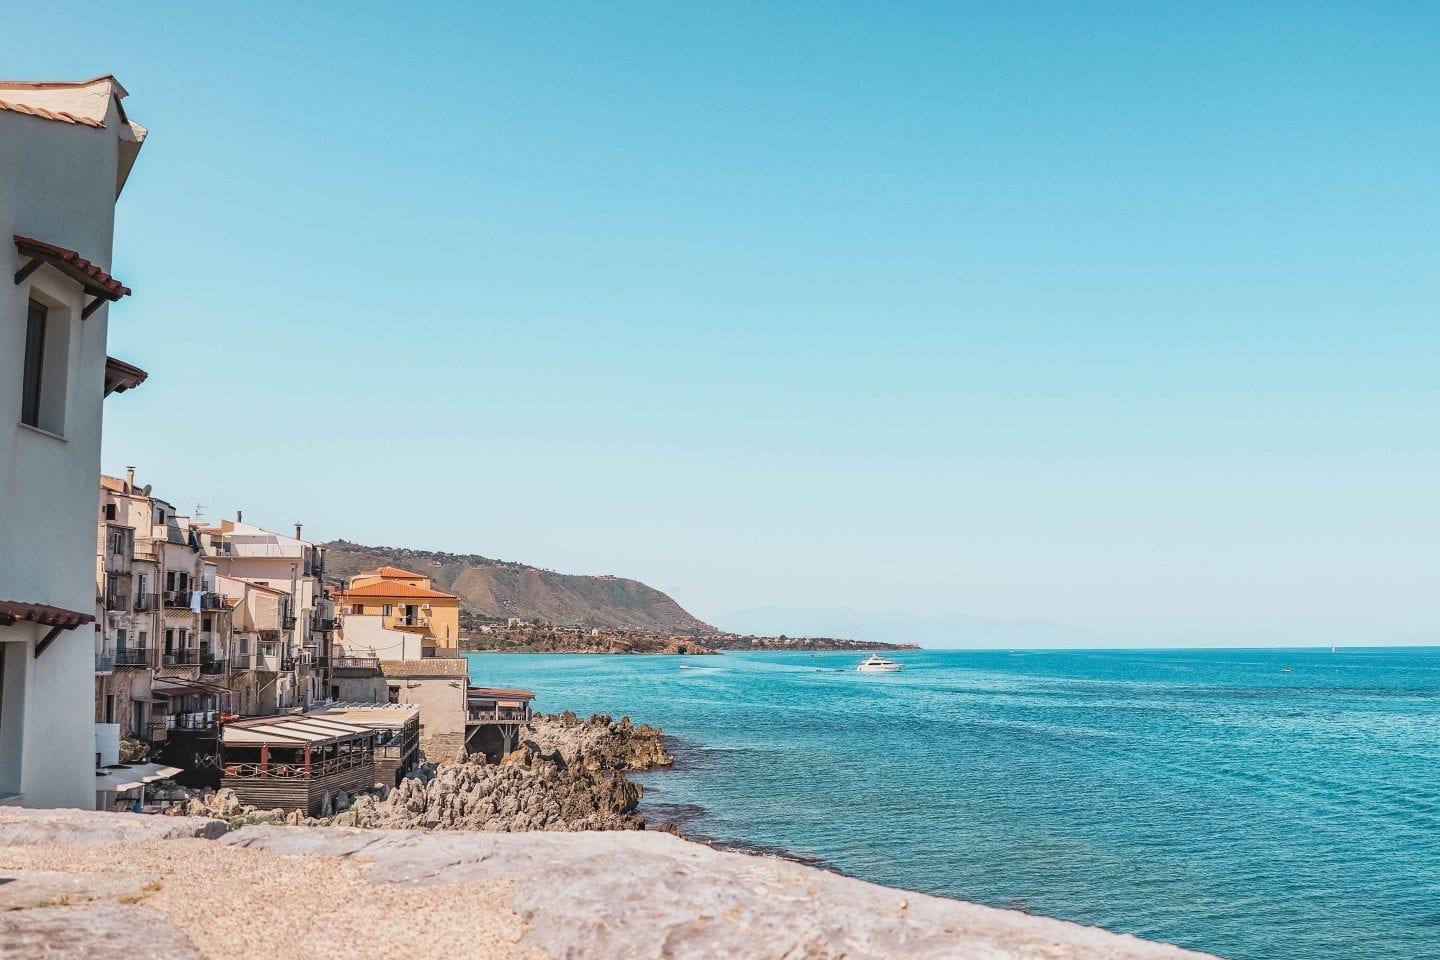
pixel 533 637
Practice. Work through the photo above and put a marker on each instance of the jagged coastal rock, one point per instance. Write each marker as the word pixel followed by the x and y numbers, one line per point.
pixel 599 743
pixel 566 774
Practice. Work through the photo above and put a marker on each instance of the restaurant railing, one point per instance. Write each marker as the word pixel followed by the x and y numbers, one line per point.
pixel 297 771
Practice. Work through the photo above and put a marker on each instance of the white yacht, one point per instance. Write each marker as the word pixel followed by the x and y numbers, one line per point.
pixel 878 664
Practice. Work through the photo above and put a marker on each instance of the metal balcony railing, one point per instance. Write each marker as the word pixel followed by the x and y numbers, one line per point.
pixel 214 666
pixel 135 657
pixel 105 661
pixel 355 663
pixel 180 658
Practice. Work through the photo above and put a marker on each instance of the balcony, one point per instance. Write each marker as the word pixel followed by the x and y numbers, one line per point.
pixel 322 624
pixel 135 657
pixel 355 666
pixel 104 661
pixel 287 664
pixel 214 666
pixel 146 601
pixel 181 658
pixel 242 661
pixel 400 621
pixel 177 598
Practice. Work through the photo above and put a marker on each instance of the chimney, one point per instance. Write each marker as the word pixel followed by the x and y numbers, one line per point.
pixel 239 516
pixel 129 479
pixel 297 529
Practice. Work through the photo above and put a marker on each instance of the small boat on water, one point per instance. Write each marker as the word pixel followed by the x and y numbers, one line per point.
pixel 878 664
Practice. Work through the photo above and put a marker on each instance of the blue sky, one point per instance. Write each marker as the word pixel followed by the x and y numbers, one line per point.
pixel 1116 316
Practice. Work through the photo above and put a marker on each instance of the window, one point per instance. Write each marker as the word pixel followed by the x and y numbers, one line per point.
pixel 46 367
pixel 388 610
pixel 38 321
pixel 110 511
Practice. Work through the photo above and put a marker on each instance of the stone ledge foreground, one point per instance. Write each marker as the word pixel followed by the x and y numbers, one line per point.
pixel 560 895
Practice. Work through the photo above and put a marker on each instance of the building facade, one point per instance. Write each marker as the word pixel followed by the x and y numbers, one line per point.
pixel 66 150
pixel 404 602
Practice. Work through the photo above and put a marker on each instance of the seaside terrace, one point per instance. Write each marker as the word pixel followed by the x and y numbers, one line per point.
pixel 296 762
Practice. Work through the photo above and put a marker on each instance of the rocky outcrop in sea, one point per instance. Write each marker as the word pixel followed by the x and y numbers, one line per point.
pixel 566 774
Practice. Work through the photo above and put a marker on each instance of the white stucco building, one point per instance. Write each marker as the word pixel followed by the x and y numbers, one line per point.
pixel 66 150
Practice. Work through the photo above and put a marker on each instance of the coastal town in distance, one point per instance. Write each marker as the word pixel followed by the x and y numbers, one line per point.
pixel 936 481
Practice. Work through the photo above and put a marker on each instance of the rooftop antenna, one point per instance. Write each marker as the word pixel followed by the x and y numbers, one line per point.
pixel 199 511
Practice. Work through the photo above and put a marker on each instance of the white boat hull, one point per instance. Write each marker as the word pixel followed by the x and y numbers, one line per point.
pixel 883 668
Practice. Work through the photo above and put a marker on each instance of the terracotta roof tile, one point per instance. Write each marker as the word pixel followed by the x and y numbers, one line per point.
pixel 94 279
pixel 44 114
pixel 121 376
pixel 498 692
pixel 395 572
pixel 12 611
pixel 427 667
pixel 394 588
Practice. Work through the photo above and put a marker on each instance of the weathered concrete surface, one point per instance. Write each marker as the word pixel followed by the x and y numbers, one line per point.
pixel 651 895
pixel 19 826
pixel 99 931
pixel 103 886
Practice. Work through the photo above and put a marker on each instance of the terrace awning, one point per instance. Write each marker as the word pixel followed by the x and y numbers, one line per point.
pixel 291 731
pixel 129 777
pixel 493 693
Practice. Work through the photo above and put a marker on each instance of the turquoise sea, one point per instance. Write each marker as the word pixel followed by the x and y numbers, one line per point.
pixel 1257 804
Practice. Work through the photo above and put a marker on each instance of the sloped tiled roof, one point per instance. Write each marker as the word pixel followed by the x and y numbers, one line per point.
pixel 44 114
pixel 428 667
pixel 12 611
pixel 394 588
pixel 121 376
pixel 79 269
pixel 391 572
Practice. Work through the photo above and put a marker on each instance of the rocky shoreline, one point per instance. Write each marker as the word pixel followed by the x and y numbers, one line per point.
pixel 566 774
pixel 552 638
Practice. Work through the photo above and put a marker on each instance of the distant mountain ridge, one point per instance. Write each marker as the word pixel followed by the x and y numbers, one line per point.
pixel 502 589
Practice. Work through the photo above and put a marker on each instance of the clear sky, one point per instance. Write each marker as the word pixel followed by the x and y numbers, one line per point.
pixel 1118 316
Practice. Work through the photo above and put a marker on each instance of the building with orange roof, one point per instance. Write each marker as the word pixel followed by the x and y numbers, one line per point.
pixel 408 603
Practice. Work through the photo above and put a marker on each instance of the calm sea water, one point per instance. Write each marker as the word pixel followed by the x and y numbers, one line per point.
pixel 1206 798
